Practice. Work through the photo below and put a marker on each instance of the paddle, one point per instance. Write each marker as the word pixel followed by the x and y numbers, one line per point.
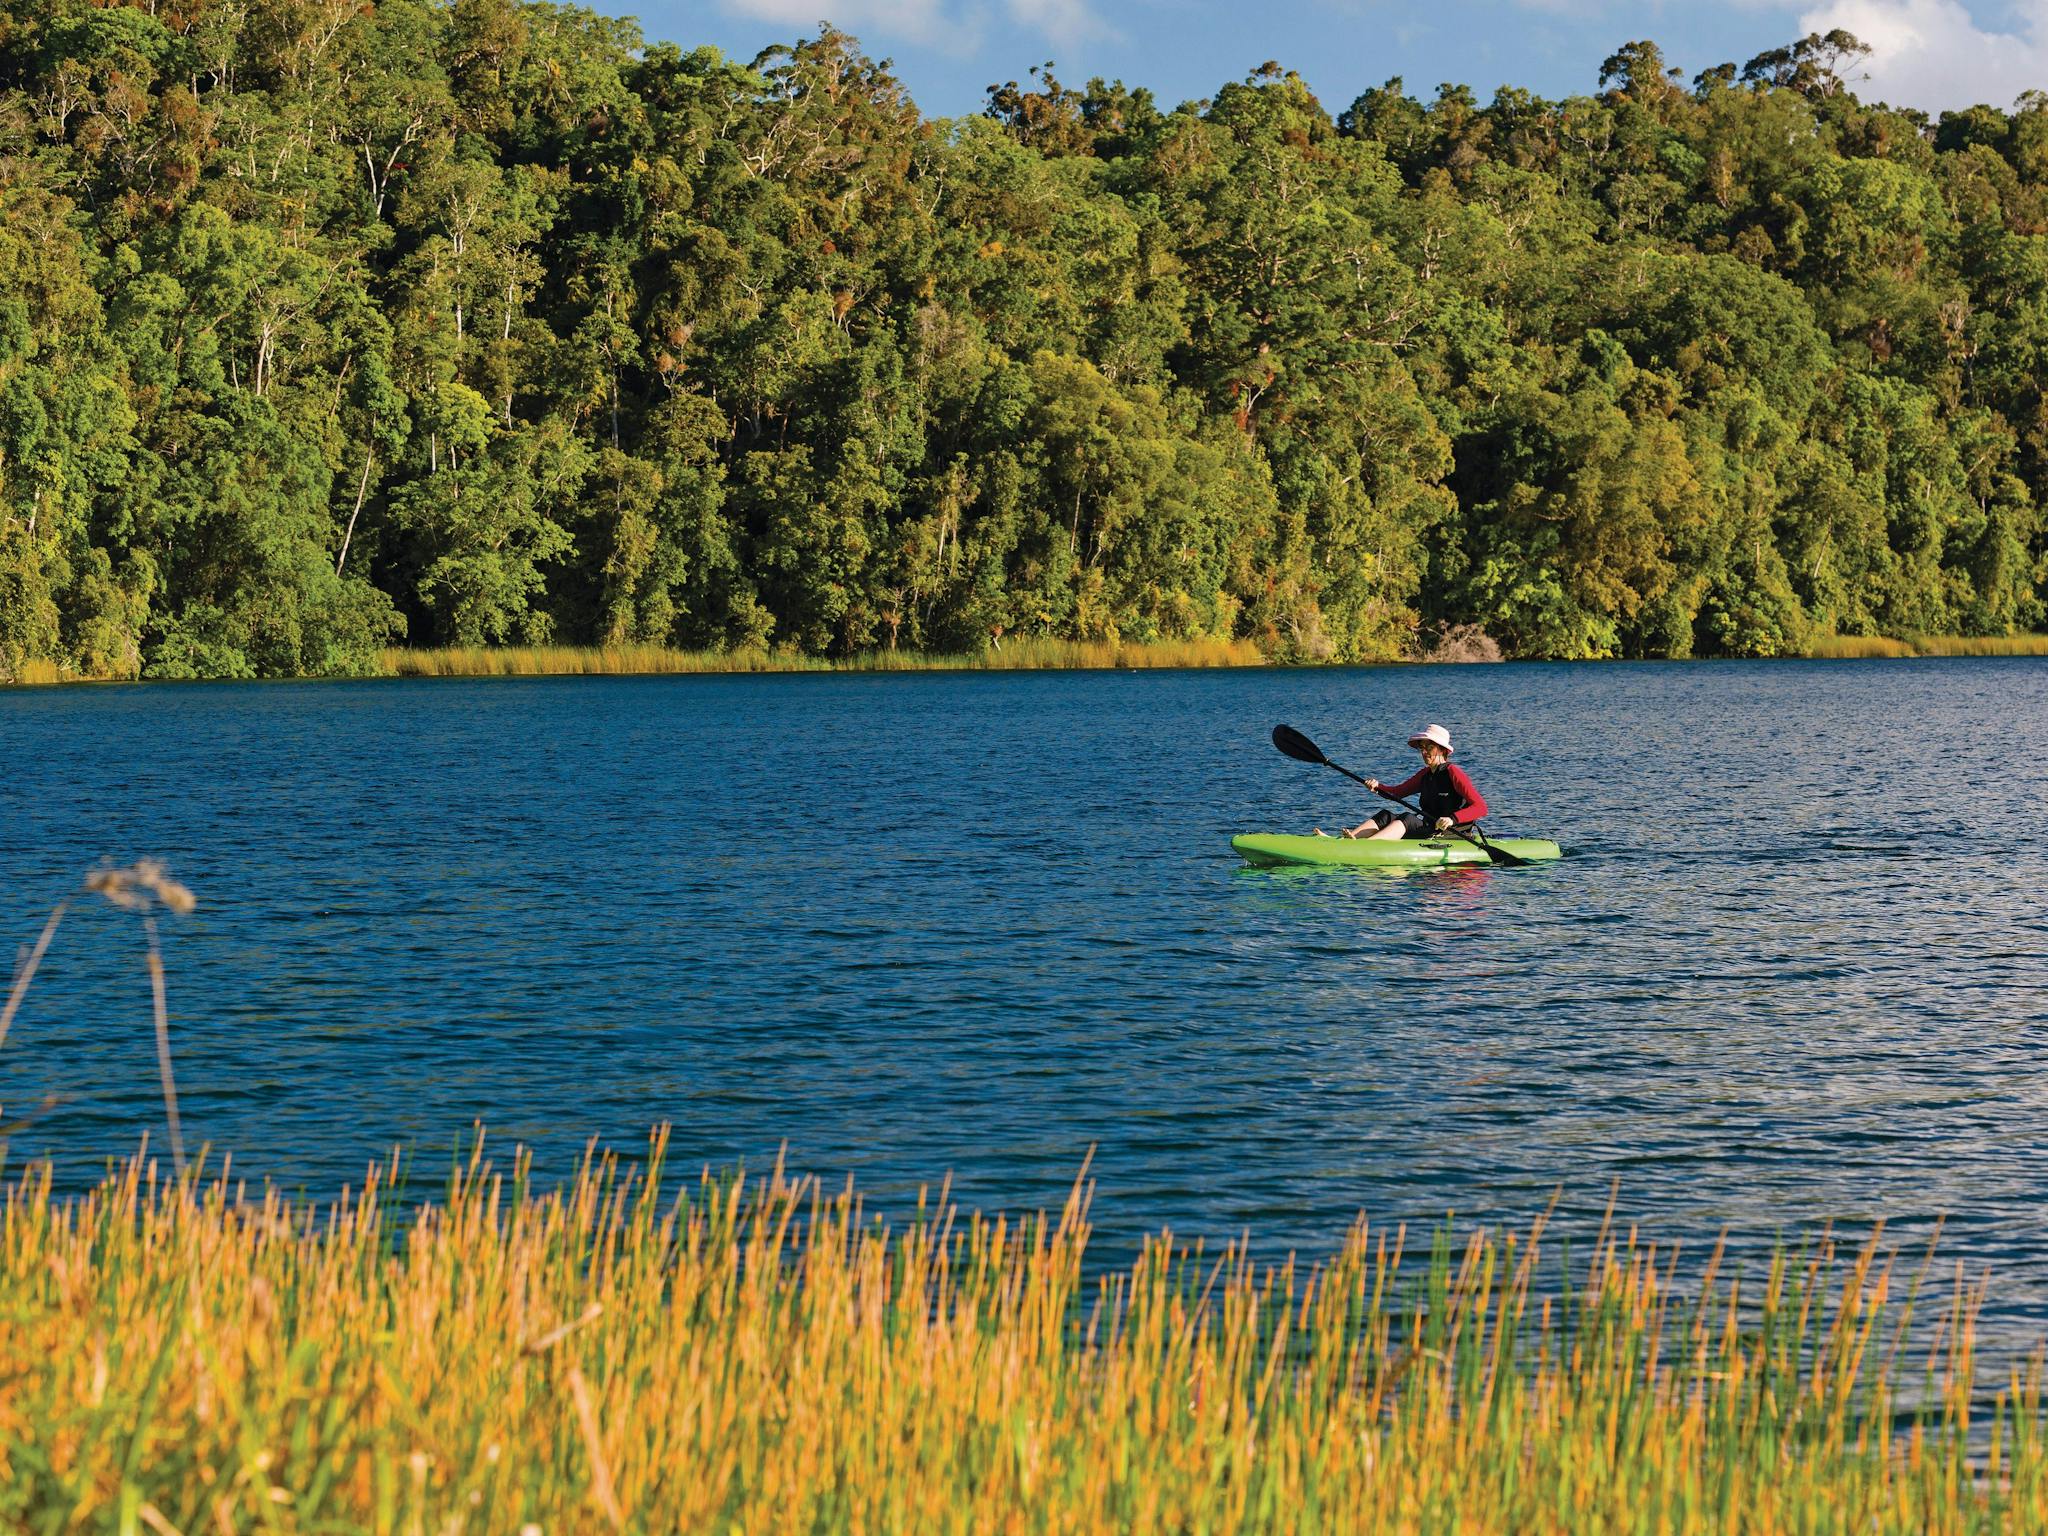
pixel 1302 750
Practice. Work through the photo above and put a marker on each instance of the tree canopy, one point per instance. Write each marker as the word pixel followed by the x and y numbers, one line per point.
pixel 324 324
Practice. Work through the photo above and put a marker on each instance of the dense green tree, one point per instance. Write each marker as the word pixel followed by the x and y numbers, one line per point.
pixel 326 324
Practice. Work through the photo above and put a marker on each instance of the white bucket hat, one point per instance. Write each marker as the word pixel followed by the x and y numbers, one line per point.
pixel 1431 733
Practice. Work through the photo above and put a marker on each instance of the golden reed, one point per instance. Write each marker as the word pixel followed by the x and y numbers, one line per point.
pixel 1013 655
pixel 186 1356
pixel 1865 647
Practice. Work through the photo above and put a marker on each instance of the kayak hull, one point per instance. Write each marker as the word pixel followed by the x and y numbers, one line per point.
pixel 1268 850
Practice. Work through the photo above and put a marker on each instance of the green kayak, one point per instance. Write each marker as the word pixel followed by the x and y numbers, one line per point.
pixel 1271 849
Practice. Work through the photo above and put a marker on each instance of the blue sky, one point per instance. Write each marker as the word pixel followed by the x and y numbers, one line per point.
pixel 1930 53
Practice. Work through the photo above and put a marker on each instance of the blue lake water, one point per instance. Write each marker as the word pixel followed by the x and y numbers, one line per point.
pixel 1794 968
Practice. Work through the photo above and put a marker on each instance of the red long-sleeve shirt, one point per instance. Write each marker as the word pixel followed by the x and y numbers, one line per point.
pixel 1473 808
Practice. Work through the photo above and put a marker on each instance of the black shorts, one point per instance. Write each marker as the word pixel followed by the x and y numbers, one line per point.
pixel 1411 822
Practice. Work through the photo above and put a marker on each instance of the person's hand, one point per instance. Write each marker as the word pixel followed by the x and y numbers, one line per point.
pixel 1443 823
pixel 1372 783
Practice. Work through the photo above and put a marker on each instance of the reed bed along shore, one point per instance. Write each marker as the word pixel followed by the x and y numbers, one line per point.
pixel 1866 647
pixel 1029 655
pixel 1014 655
pixel 186 1357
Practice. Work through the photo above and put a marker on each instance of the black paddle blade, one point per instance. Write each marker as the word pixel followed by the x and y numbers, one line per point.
pixel 1296 745
pixel 1498 855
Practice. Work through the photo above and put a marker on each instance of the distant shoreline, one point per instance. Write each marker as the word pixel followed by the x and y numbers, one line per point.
pixel 1050 655
pixel 1029 655
pixel 1870 647
pixel 655 660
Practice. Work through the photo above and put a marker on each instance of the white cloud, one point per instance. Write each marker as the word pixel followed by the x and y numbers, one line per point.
pixel 924 23
pixel 1931 54
pixel 957 27
pixel 1064 22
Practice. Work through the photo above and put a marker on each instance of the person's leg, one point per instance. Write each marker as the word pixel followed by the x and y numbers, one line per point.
pixel 1390 826
pixel 1373 826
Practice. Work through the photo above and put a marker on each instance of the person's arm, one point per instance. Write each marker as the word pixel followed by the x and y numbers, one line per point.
pixel 1407 786
pixel 1475 804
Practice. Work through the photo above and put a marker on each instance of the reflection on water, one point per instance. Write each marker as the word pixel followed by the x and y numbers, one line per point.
pixel 979 923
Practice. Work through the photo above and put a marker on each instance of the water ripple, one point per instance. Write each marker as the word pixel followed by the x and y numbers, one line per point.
pixel 1792 971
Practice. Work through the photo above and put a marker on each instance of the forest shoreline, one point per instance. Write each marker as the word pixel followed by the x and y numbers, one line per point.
pixel 1019 656
pixel 1029 655
pixel 441 325
pixel 1060 656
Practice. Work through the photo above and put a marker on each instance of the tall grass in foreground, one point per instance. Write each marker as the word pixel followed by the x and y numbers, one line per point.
pixel 1024 655
pixel 611 1357
pixel 1865 647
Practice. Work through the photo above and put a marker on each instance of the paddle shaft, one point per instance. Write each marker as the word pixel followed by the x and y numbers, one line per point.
pixel 1476 839
pixel 1388 795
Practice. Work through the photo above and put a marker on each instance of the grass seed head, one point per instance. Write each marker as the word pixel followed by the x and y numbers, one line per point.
pixel 137 887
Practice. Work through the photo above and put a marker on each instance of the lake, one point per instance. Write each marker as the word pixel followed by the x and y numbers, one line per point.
pixel 1792 970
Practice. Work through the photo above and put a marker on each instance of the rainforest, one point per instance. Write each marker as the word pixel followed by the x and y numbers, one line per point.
pixel 328 327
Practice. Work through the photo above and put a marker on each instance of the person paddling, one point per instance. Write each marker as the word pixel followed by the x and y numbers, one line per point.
pixel 1448 797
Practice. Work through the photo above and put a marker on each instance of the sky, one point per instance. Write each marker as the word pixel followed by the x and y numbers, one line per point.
pixel 1931 54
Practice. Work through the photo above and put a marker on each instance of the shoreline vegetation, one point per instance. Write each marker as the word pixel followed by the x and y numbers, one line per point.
pixel 1019 655
pixel 470 325
pixel 1865 647
pixel 1051 655
pixel 619 1354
